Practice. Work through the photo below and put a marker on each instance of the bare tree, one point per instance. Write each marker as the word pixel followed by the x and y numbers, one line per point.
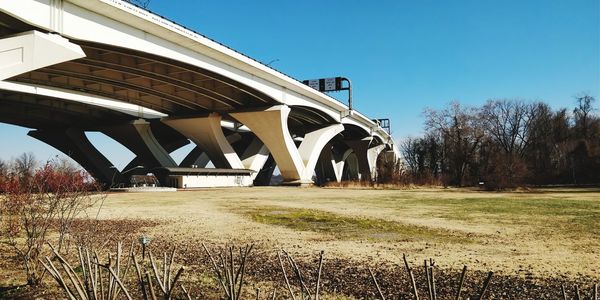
pixel 24 165
pixel 540 151
pixel 410 153
pixel 423 158
pixel 508 122
pixel 507 142
pixel 461 134
pixel 583 116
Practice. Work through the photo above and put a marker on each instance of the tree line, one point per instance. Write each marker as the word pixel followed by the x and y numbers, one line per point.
pixel 506 143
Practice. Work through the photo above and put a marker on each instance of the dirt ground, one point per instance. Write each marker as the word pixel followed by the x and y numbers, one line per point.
pixel 534 234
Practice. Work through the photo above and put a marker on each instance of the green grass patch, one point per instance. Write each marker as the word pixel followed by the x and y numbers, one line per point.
pixel 575 219
pixel 347 227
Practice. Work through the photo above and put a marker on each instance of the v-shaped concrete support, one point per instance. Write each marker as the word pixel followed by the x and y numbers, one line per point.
pixel 73 143
pixel 137 136
pixel 212 143
pixel 199 158
pixel 196 157
pixel 207 133
pixel 367 156
pixel 296 164
pixel 331 163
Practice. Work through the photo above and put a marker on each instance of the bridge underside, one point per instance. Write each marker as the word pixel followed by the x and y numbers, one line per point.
pixel 232 124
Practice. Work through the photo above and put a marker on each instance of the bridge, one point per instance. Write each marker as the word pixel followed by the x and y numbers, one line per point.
pixel 72 66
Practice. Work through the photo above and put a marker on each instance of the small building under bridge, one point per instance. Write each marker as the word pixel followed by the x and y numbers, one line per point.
pixel 204 177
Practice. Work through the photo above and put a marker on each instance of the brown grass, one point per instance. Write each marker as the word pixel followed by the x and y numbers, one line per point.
pixel 530 238
pixel 552 232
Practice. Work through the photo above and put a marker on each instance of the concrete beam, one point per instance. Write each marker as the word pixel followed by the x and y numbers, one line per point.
pixel 263 177
pixel 73 143
pixel 366 156
pixel 270 126
pixel 313 145
pixel 207 133
pixel 250 155
pixel 196 157
pixel 372 155
pixel 255 157
pixel 169 144
pixel 32 50
pixel 199 158
pixel 331 163
pixel 138 138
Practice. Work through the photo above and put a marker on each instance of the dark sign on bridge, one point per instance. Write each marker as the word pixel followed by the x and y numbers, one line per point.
pixel 332 84
pixel 326 84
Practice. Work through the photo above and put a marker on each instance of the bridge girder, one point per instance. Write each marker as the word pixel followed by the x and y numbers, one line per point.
pixel 157 65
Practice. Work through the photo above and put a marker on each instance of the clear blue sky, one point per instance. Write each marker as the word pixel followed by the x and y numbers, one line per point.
pixel 401 55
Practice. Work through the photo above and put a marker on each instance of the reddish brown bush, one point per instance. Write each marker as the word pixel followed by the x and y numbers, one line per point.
pixel 35 200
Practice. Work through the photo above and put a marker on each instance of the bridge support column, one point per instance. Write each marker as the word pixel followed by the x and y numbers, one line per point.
pixel 372 155
pixel 264 175
pixel 207 133
pixel 137 137
pixel 331 163
pixel 351 168
pixel 325 167
pixel 73 143
pixel 33 50
pixel 366 156
pixel 168 139
pixel 296 164
pixel 255 157
pixel 196 157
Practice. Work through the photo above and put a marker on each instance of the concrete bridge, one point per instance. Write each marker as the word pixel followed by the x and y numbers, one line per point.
pixel 71 66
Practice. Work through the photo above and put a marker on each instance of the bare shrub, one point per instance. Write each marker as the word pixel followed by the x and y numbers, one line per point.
pixel 35 200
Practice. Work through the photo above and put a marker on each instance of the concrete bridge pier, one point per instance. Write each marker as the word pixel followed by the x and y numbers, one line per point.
pixel 212 143
pixel 264 175
pixel 169 143
pixel 206 132
pixel 372 156
pixel 73 143
pixel 331 163
pixel 196 157
pixel 296 164
pixel 366 155
pixel 324 169
pixel 255 157
pixel 351 168
pixel 137 136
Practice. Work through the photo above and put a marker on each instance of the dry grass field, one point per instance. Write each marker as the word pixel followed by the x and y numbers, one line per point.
pixel 535 239
pixel 540 233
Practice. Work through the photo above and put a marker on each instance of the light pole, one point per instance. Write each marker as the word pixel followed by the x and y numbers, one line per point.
pixel 272 61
